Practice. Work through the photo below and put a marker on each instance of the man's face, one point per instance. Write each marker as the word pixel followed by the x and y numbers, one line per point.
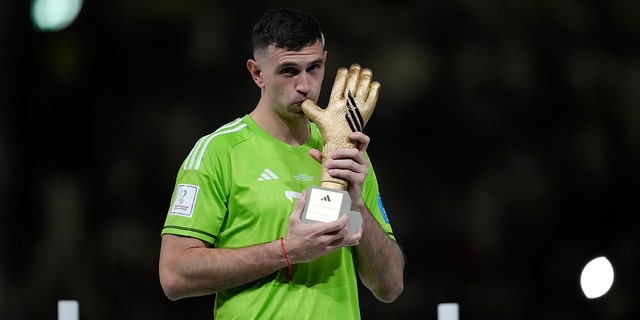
pixel 291 77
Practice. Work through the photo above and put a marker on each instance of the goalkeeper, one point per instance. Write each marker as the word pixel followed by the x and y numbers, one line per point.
pixel 233 228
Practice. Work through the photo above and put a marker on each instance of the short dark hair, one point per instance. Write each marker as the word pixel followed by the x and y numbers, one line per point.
pixel 286 28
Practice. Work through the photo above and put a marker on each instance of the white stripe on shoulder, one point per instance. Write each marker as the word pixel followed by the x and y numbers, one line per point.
pixel 230 124
pixel 196 154
pixel 191 158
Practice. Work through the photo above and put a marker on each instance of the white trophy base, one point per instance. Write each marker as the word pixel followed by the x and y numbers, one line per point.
pixel 326 205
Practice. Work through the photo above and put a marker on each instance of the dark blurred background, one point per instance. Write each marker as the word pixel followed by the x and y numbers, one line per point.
pixel 506 140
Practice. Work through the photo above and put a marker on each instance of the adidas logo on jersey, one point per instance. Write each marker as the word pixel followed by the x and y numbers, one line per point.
pixel 267 175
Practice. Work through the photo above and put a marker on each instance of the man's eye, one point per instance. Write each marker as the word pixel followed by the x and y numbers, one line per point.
pixel 289 71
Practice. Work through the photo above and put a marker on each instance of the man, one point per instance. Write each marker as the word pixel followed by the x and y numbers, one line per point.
pixel 234 226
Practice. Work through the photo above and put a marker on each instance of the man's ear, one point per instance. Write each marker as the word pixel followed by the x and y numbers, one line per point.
pixel 256 73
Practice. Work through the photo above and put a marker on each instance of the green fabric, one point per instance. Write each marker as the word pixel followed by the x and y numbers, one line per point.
pixel 237 188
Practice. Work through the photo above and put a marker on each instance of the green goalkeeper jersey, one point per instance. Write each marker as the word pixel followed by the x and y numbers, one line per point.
pixel 237 188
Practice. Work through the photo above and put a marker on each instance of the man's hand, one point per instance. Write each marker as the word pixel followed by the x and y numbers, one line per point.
pixel 306 242
pixel 348 164
pixel 353 98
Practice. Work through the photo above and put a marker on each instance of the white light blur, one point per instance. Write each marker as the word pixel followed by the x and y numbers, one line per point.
pixel 54 15
pixel 596 278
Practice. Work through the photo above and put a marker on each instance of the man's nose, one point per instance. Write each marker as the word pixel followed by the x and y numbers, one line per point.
pixel 304 83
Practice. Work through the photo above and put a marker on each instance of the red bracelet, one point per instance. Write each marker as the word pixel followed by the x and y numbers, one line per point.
pixel 288 273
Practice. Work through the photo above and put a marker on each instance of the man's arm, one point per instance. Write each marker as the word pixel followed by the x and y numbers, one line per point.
pixel 379 260
pixel 189 268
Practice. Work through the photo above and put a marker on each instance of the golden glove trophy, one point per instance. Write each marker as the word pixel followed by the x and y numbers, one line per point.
pixel 353 98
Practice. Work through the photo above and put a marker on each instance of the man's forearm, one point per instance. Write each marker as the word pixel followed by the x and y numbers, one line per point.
pixel 202 271
pixel 380 261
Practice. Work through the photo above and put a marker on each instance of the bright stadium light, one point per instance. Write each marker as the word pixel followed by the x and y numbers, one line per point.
pixel 54 15
pixel 596 278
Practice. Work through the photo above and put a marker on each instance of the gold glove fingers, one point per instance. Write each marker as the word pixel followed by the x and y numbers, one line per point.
pixel 338 90
pixel 362 89
pixel 372 98
pixel 353 77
